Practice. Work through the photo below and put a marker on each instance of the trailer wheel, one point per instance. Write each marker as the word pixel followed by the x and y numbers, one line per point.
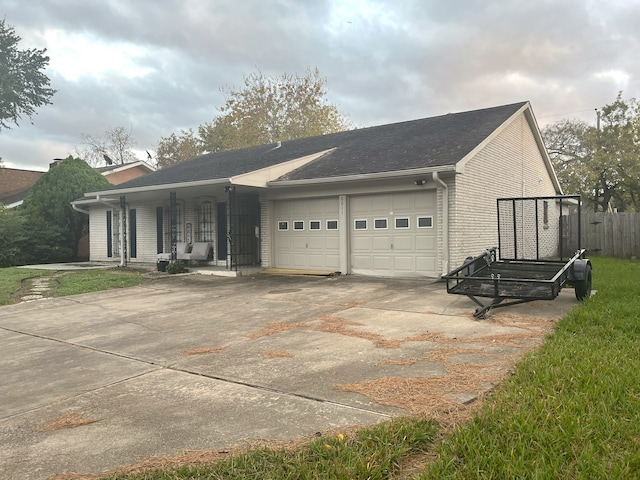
pixel 583 287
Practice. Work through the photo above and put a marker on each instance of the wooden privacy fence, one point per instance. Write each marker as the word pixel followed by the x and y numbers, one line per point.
pixel 609 234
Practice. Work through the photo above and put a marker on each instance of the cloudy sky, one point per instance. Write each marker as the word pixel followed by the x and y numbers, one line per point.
pixel 156 66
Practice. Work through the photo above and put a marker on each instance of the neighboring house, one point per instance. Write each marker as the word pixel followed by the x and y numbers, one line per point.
pixel 407 199
pixel 15 185
pixel 117 174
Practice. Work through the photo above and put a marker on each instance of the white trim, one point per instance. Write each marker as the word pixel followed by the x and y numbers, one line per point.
pixel 363 176
pixel 262 177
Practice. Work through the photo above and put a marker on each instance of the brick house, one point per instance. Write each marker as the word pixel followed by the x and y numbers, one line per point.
pixel 412 198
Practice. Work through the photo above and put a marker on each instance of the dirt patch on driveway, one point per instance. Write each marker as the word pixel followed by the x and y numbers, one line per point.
pixel 473 368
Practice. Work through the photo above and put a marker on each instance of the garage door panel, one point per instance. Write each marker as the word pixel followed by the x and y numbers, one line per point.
pixel 332 261
pixel 381 204
pixel 381 243
pixel 426 243
pixel 361 244
pixel 383 263
pixel 404 242
pixel 315 243
pixel 332 243
pixel 402 251
pixel 426 263
pixel 361 262
pixel 299 243
pixel 305 248
pixel 404 264
pixel 403 203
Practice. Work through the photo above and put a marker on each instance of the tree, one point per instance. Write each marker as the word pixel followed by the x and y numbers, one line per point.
pixel 616 156
pixel 48 209
pixel 23 85
pixel 11 236
pixel 270 109
pixel 569 146
pixel 174 149
pixel 602 164
pixel 116 146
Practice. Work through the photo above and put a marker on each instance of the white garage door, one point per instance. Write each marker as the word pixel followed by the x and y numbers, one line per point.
pixel 394 234
pixel 306 234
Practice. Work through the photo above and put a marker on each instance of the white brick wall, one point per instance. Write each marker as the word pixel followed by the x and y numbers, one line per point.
pixel 511 165
pixel 266 207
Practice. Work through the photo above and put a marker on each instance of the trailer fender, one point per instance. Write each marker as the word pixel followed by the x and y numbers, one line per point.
pixel 579 270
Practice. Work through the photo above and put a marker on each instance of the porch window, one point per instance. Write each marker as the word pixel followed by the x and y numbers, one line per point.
pixel 205 222
pixel 179 227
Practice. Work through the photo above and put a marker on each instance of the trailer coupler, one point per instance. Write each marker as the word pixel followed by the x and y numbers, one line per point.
pixel 481 312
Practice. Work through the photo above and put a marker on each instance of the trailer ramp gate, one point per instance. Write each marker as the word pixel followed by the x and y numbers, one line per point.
pixel 531 262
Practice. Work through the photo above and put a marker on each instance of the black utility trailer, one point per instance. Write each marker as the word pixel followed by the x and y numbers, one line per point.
pixel 531 261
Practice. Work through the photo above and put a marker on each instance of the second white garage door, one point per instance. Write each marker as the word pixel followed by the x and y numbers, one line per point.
pixel 394 234
pixel 307 234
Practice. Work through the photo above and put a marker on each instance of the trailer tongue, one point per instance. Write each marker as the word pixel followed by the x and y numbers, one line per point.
pixel 530 263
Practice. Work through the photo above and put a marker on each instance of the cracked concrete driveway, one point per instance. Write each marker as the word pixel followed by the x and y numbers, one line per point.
pixel 95 382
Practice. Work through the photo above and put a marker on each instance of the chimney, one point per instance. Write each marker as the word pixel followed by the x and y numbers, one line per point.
pixel 55 162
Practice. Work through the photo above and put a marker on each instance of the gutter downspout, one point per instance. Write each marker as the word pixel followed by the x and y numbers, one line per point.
pixel 111 205
pixel 445 222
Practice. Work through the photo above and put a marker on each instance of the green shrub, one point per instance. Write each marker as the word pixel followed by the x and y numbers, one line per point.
pixel 177 267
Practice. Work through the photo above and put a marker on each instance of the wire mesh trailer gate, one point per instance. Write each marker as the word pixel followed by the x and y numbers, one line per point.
pixel 539 252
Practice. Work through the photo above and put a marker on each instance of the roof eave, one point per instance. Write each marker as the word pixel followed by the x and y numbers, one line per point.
pixel 363 176
pixel 157 188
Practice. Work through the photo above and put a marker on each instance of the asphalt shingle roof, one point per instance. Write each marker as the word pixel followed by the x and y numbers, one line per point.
pixel 429 142
pixel 15 184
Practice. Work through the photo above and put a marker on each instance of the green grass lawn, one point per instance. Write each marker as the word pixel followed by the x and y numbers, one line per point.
pixel 11 279
pixel 571 409
pixel 68 282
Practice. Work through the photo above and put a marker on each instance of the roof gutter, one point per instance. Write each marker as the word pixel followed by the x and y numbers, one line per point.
pixel 445 222
pixel 78 209
pixel 363 176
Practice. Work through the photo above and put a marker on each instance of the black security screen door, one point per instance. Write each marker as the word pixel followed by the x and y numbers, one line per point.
pixel 244 229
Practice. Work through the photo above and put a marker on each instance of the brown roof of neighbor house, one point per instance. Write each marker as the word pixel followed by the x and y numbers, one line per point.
pixel 15 184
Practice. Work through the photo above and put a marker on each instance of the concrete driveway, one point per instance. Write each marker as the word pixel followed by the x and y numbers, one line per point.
pixel 100 381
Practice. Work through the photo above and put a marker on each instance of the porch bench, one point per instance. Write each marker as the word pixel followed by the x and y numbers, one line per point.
pixel 199 251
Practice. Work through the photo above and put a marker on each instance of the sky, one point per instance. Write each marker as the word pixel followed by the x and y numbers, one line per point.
pixel 156 67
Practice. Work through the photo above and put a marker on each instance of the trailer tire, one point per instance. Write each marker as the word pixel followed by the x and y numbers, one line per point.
pixel 583 286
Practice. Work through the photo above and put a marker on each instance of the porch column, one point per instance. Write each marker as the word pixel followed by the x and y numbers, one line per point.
pixel 343 221
pixel 173 221
pixel 123 220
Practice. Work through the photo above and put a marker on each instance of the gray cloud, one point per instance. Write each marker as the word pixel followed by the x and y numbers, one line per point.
pixel 385 61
